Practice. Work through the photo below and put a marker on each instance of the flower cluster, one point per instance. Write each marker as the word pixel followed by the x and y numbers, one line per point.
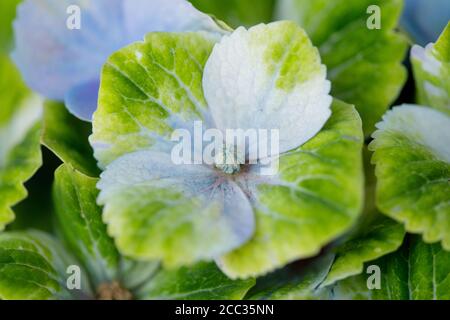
pixel 195 160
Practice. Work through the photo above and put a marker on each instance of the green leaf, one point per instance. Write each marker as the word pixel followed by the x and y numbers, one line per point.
pixel 81 226
pixel 294 282
pixel 203 281
pixel 20 153
pixel 417 272
pixel 431 66
pixel 67 137
pixel 8 10
pixel 318 198
pixel 134 274
pixel 364 65
pixel 381 237
pixel 146 89
pixel 36 211
pixel 238 12
pixel 412 159
pixel 373 237
pixel 33 267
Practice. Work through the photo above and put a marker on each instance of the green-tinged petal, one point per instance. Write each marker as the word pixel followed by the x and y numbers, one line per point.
pixel 268 77
pixel 33 267
pixel 418 271
pixel 81 226
pixel 67 137
pixel 374 236
pixel 180 214
pixel 294 282
pixel 364 65
pixel 147 89
pixel 316 196
pixel 412 157
pixel 431 67
pixel 203 281
pixel 8 10
pixel 20 153
pixel 238 12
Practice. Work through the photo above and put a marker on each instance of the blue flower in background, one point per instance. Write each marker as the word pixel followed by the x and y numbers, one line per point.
pixel 424 20
pixel 65 65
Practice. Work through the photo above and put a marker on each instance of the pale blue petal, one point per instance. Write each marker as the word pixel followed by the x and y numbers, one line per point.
pixel 81 100
pixel 142 16
pixel 54 59
pixel 424 20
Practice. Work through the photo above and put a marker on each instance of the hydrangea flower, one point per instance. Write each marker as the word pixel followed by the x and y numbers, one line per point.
pixel 266 77
pixel 65 64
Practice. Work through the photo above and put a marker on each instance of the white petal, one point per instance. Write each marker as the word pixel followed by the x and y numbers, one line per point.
pixel 268 77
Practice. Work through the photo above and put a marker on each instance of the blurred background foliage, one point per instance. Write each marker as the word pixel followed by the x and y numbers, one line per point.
pixel 415 20
pixel 238 12
pixel 8 12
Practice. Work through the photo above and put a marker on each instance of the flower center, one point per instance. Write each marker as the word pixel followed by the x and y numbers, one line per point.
pixel 113 291
pixel 228 159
